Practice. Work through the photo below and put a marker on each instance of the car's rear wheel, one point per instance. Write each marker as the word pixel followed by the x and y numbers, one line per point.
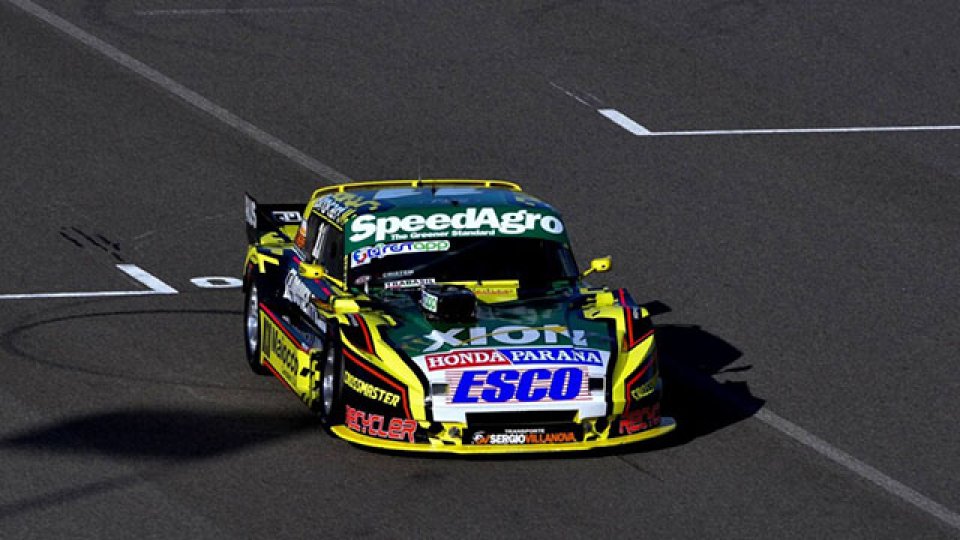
pixel 251 330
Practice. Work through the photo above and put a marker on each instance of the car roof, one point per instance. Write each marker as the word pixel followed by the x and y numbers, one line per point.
pixel 345 202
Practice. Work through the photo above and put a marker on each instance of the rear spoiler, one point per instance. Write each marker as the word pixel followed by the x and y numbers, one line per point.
pixel 264 218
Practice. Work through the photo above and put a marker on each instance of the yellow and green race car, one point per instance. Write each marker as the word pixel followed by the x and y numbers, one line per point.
pixel 445 316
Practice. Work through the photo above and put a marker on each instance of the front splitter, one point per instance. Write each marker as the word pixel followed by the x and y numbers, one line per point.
pixel 667 425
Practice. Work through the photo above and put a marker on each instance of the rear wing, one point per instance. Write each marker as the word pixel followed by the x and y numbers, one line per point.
pixel 265 218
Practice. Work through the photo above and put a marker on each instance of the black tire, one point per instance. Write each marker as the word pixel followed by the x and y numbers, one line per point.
pixel 251 330
pixel 329 366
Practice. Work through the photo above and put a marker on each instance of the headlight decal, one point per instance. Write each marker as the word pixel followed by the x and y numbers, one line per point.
pixel 358 333
pixel 638 327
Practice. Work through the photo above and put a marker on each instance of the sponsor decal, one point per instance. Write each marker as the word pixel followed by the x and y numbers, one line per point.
pixel 640 419
pixel 483 221
pixel 551 438
pixel 429 301
pixel 493 291
pixel 524 436
pixel 377 425
pixel 555 355
pixel 299 294
pixel 644 389
pixel 464 358
pixel 370 391
pixel 511 385
pixel 342 206
pixel 397 273
pixel 507 335
pixel 277 347
pixel 408 283
pixel 642 374
pixel 287 216
pixel 365 255
pixel 296 291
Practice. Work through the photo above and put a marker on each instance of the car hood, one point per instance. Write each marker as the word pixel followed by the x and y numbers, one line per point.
pixel 543 333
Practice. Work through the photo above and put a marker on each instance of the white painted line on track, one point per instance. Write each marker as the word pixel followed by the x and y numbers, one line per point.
pixel 624 121
pixel 861 469
pixel 180 91
pixel 146 278
pixel 632 126
pixel 223 11
pixel 800 131
pixel 155 285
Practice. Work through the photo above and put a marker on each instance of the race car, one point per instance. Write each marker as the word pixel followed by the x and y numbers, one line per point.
pixel 445 316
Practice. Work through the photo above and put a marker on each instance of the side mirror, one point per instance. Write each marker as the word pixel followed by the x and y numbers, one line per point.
pixel 345 305
pixel 602 264
pixel 311 271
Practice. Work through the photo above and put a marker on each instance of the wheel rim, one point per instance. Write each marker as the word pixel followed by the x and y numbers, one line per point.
pixel 327 381
pixel 253 320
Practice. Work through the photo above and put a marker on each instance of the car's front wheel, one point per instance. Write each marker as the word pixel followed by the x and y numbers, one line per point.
pixel 251 330
pixel 330 384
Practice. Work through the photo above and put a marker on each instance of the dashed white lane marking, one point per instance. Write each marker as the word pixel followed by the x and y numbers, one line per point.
pixel 632 126
pixel 154 284
pixel 888 484
pixel 569 93
pixel 182 92
pixel 624 121
pixel 223 11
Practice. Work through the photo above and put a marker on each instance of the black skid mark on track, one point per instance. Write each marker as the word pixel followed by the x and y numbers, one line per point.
pixel 82 240
pixel 9 343
pixel 119 18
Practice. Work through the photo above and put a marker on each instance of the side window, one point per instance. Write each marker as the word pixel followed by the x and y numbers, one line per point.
pixel 317 244
pixel 328 250
pixel 307 235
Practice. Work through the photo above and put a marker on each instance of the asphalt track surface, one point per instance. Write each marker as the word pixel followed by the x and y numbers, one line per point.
pixel 806 280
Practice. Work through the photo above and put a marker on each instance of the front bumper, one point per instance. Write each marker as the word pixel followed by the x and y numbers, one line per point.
pixel 463 445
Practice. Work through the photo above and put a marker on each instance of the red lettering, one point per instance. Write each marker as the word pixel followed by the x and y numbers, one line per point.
pixel 640 419
pixel 551 438
pixel 401 428
pixel 353 419
pixel 376 425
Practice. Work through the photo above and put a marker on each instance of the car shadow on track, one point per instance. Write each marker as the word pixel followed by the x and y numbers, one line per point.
pixel 151 440
pixel 691 359
pixel 160 434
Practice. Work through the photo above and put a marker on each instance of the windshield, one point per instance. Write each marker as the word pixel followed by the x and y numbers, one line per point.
pixel 533 262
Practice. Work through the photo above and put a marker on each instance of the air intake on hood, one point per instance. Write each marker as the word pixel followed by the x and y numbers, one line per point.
pixel 448 302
